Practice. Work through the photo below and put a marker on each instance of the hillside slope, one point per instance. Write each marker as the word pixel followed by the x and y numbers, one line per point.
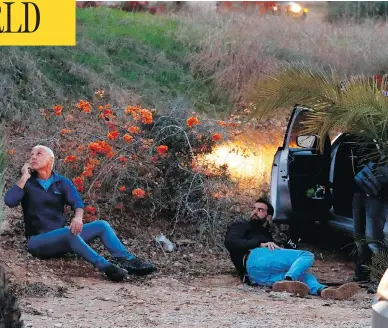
pixel 133 55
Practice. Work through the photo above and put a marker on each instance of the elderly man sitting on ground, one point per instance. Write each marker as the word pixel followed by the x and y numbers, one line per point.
pixel 43 195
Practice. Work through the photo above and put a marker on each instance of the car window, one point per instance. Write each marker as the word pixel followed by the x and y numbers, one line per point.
pixel 297 129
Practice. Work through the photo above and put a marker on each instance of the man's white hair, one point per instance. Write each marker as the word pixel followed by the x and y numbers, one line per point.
pixel 48 151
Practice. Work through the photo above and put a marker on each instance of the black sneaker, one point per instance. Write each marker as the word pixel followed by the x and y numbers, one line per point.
pixel 135 266
pixel 115 273
pixel 360 279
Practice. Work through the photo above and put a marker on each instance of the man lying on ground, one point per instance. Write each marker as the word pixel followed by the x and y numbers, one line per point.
pixel 260 261
pixel 43 194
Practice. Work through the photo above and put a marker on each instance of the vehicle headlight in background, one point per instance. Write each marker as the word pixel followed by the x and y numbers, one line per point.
pixel 295 8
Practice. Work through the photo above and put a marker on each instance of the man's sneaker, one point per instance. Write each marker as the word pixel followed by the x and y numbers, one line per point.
pixel 135 266
pixel 341 293
pixel 115 273
pixel 295 287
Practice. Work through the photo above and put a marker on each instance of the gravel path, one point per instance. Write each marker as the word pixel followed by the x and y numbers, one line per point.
pixel 204 302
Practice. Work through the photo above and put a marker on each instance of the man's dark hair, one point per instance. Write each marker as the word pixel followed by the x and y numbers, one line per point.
pixel 270 210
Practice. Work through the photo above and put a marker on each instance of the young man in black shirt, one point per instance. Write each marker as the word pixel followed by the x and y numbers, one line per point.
pixel 260 261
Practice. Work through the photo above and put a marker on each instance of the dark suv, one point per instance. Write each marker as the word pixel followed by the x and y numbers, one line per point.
pixel 313 186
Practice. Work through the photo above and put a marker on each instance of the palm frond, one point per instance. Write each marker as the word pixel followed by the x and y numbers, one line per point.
pixel 294 85
pixel 357 106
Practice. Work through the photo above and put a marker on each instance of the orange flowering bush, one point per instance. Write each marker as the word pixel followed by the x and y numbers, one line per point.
pixel 70 158
pixel 162 149
pixel 191 121
pixel 138 193
pixel 90 209
pixel 127 138
pixel 114 135
pixel 65 131
pixel 84 106
pixel 135 159
pixel 133 129
pixel 58 110
pixel 216 137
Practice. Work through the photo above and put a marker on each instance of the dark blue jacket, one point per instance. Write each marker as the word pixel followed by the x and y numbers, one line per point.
pixel 44 210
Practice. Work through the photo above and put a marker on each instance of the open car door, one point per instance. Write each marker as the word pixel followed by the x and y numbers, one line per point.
pixel 300 173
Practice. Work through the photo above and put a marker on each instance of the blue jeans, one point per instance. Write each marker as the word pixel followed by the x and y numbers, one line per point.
pixel 265 267
pixel 369 216
pixel 61 241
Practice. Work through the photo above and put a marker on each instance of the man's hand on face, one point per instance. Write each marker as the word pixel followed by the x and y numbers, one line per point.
pixel 270 245
pixel 76 226
pixel 26 170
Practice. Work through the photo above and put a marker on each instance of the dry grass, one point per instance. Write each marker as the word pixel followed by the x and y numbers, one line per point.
pixel 235 50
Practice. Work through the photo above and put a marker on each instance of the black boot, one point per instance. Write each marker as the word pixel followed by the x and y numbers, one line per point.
pixel 115 273
pixel 364 259
pixel 135 266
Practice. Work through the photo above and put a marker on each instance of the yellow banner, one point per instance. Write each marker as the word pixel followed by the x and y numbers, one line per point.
pixel 37 23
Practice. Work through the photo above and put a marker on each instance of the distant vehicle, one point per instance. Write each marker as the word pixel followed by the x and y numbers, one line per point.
pixel 294 9
pixel 313 186
pixel 263 7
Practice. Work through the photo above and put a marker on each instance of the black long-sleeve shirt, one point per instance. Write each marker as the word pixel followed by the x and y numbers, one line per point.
pixel 243 236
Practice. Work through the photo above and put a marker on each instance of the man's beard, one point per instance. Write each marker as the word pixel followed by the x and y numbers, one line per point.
pixel 257 222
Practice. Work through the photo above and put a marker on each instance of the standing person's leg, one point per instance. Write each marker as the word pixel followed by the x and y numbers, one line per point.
pixel 102 230
pixel 376 213
pixel 62 241
pixel 359 224
pixel 359 216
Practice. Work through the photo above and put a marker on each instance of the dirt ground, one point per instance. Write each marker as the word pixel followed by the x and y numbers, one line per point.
pixel 220 301
pixel 194 287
